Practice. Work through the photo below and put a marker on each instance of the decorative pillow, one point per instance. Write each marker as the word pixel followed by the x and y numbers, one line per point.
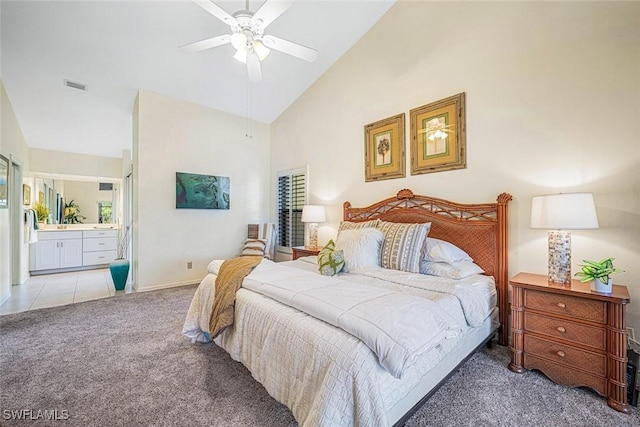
pixel 350 225
pixel 254 247
pixel 330 261
pixel 403 245
pixel 361 247
pixel 441 251
pixel 454 270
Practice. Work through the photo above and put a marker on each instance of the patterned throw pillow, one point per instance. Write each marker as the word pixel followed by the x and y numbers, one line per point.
pixel 403 245
pixel 350 225
pixel 254 247
pixel 330 261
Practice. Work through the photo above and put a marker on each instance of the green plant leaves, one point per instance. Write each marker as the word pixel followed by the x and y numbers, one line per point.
pixel 597 270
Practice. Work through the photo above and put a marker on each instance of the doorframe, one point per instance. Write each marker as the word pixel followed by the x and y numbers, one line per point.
pixel 16 222
pixel 127 220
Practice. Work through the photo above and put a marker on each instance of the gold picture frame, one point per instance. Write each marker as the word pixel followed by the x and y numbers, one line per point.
pixel 384 153
pixel 26 195
pixel 438 136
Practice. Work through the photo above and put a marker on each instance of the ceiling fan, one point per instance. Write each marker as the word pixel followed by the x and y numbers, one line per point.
pixel 247 35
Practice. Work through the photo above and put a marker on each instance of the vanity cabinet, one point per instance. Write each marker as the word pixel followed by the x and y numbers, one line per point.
pixel 67 250
pixel 99 247
pixel 57 249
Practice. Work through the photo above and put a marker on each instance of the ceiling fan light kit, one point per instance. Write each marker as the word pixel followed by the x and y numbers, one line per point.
pixel 247 35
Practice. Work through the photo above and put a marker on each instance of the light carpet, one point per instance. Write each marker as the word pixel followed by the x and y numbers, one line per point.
pixel 122 361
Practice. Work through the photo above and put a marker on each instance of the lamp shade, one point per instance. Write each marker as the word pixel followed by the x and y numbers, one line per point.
pixel 313 213
pixel 567 211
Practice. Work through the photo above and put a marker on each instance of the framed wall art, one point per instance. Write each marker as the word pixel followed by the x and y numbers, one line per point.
pixel 384 156
pixel 438 140
pixel 195 191
pixel 26 195
pixel 4 182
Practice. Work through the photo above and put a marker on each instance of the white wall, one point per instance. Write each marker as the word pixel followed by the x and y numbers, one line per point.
pixel 83 165
pixel 175 136
pixel 553 103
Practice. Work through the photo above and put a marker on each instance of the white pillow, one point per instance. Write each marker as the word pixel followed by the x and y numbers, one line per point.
pixel 454 270
pixel 441 251
pixel 361 247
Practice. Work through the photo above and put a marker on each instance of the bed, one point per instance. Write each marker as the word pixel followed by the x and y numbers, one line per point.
pixel 328 376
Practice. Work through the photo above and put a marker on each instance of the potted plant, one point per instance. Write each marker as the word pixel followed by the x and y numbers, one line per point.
pixel 42 213
pixel 119 267
pixel 598 273
pixel 72 213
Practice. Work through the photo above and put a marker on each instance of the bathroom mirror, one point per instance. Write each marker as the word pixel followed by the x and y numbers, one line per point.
pixel 96 200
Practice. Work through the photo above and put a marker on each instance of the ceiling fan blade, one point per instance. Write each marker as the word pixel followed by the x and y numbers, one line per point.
pixel 253 67
pixel 206 44
pixel 270 11
pixel 216 11
pixel 290 48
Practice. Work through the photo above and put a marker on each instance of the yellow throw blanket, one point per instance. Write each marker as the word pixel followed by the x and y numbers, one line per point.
pixel 230 276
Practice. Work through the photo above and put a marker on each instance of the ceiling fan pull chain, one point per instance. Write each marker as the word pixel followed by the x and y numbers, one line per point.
pixel 248 122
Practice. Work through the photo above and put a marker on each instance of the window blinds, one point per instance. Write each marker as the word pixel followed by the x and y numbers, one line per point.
pixel 291 199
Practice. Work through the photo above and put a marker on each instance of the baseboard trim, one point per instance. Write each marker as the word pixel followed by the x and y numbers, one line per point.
pixel 165 286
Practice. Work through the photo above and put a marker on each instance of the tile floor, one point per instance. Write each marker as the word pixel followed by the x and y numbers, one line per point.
pixel 50 290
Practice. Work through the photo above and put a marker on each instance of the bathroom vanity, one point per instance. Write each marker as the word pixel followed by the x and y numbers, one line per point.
pixel 72 249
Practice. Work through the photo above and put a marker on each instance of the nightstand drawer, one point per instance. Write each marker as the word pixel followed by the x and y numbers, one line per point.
pixel 566 330
pixel 561 353
pixel 561 374
pixel 579 308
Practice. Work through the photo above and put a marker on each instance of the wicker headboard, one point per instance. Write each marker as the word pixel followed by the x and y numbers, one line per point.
pixel 478 229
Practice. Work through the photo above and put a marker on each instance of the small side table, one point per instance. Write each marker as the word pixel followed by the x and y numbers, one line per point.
pixel 576 336
pixel 300 251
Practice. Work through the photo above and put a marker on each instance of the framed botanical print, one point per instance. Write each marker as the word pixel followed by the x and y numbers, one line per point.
pixel 384 156
pixel 438 140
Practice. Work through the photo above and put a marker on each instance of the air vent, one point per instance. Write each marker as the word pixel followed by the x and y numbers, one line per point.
pixel 75 85
pixel 106 186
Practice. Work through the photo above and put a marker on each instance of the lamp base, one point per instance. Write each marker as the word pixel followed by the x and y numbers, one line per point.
pixel 560 256
pixel 313 235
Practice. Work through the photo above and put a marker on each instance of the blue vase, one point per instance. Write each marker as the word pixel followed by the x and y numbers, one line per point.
pixel 119 272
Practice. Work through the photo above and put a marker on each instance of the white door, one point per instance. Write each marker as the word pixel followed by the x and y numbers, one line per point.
pixel 70 253
pixel 47 254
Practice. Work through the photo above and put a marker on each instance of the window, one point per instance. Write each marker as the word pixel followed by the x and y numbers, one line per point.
pixel 292 195
pixel 105 212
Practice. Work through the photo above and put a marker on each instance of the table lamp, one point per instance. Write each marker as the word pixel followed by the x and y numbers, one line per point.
pixel 313 214
pixel 559 213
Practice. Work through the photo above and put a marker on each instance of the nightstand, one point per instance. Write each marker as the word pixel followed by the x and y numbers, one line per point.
pixel 575 336
pixel 300 251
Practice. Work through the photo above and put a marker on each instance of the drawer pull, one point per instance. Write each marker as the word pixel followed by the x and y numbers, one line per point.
pixel 561 329
pixel 560 353
pixel 562 305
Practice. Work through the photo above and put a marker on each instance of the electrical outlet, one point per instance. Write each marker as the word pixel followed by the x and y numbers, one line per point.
pixel 189 265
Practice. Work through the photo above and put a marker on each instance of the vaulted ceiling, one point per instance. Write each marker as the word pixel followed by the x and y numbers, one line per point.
pixel 119 47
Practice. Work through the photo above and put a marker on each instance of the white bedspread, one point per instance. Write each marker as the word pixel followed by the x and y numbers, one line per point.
pixel 397 327
pixel 324 375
